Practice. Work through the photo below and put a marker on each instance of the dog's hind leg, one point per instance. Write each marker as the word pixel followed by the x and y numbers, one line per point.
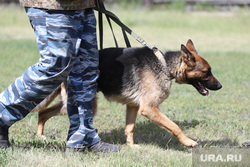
pixel 45 114
pixel 156 116
pixel 131 114
pixel 95 106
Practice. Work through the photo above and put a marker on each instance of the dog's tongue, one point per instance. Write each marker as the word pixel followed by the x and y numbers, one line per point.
pixel 204 91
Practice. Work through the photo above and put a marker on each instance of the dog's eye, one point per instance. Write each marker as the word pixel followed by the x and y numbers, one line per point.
pixel 207 72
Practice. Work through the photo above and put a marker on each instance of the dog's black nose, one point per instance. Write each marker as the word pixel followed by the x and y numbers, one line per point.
pixel 219 86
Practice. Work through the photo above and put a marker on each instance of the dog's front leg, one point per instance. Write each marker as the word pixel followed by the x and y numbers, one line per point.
pixel 156 116
pixel 131 114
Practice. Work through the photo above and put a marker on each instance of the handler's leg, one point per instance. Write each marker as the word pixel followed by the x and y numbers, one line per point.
pixel 58 38
pixel 82 87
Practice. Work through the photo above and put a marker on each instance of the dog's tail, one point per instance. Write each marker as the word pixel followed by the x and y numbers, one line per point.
pixel 47 100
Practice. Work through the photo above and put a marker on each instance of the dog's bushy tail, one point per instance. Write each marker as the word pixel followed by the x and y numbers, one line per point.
pixel 47 101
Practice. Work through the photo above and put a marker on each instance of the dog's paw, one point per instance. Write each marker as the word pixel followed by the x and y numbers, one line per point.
pixel 191 143
pixel 134 145
pixel 42 137
pixel 188 142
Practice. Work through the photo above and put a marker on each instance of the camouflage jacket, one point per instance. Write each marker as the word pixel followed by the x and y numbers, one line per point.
pixel 59 4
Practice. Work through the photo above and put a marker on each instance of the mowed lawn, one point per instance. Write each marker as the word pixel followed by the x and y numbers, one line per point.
pixel 219 120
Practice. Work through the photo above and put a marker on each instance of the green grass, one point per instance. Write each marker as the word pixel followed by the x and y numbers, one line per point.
pixel 219 120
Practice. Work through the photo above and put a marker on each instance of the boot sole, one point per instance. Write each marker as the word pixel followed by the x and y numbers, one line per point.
pixel 4 144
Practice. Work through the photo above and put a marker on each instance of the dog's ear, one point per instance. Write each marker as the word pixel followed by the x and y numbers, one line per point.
pixel 190 46
pixel 188 57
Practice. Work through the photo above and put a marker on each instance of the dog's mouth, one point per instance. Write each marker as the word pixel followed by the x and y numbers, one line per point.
pixel 200 88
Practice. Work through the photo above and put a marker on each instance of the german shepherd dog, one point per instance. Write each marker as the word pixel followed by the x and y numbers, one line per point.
pixel 137 78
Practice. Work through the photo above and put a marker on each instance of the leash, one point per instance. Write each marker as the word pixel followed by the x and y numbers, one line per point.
pixel 109 15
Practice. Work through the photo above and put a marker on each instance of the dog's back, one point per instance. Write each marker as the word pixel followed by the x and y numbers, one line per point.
pixel 126 74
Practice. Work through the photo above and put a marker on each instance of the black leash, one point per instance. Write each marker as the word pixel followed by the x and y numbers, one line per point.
pixel 109 15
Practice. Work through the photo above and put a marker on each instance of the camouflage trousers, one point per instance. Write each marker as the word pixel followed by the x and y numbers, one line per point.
pixel 68 47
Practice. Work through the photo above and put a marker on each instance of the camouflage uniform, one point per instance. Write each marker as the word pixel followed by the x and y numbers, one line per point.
pixel 59 4
pixel 67 44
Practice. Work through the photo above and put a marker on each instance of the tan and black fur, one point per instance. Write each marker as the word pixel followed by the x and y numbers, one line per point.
pixel 135 77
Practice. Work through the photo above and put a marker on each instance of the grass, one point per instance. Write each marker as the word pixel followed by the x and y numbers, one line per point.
pixel 219 120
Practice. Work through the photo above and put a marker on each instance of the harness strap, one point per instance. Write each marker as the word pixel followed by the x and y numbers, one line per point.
pixel 123 26
pixel 101 5
pixel 109 15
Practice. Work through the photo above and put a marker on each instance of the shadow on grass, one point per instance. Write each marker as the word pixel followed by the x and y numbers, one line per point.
pixel 40 143
pixel 150 133
pixel 146 133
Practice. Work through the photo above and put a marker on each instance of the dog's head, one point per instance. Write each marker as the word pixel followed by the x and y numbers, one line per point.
pixel 196 70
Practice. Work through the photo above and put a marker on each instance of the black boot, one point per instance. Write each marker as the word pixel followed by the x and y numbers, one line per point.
pixel 247 144
pixel 4 137
pixel 100 147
